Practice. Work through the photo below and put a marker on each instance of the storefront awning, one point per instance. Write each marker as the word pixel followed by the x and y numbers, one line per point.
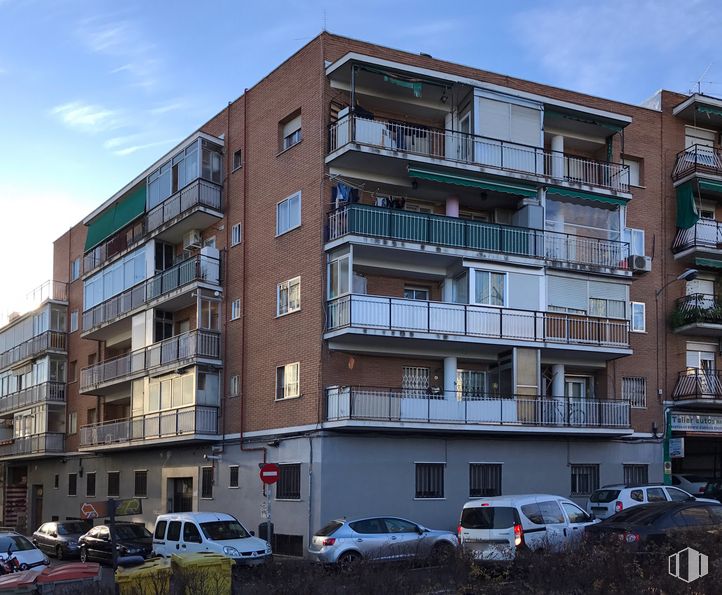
pixel 115 217
pixel 611 200
pixel 687 213
pixel 421 174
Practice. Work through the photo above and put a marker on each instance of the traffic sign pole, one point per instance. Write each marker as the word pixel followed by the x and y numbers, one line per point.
pixel 268 513
pixel 269 474
pixel 113 544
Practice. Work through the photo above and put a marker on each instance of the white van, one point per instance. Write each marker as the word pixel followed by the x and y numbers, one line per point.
pixel 215 532
pixel 495 528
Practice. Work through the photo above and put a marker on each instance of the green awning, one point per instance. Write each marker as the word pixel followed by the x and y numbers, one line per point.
pixel 610 200
pixel 116 217
pixel 705 109
pixel 585 119
pixel 710 186
pixel 710 263
pixel 421 174
pixel 687 213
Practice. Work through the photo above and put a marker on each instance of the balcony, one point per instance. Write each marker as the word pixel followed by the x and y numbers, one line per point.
pixel 47 392
pixel 160 288
pixel 394 405
pixel 37 444
pixel 367 315
pixel 698 160
pixel 421 143
pixel 697 386
pixel 187 423
pixel 198 205
pixel 698 314
pixel 178 351
pixel 54 341
pixel 460 234
pixel 703 239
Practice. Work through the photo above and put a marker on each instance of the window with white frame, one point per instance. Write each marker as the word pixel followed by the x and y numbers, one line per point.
pixel 234 386
pixel 288 296
pixel 291 132
pixel 416 293
pixel 338 276
pixel 634 390
pixel 605 308
pixel 636 474
pixel 429 480
pixel 484 480
pixel 235 309
pixel 236 234
pixel 490 288
pixel 585 479
pixel 73 321
pixel 75 269
pixel 287 381
pixel 638 317
pixel 635 169
pixel 237 159
pixel 72 422
pixel 635 238
pixel 288 214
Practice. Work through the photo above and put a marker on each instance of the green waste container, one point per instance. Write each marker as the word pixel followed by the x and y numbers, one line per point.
pixel 202 574
pixel 151 578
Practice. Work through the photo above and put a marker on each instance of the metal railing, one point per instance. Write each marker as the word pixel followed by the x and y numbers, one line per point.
pixel 198 193
pixel 404 315
pixel 40 393
pixel 193 344
pixel 696 383
pixel 196 268
pixel 697 308
pixel 49 340
pixel 397 224
pixel 415 405
pixel 697 159
pixel 164 424
pixel 706 233
pixel 467 148
pixel 48 442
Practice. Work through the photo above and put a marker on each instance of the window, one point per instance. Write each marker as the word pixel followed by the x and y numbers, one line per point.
pixel 73 321
pixel 236 309
pixel 635 474
pixel 605 308
pixel 75 269
pixel 585 479
pixel 237 159
pixel 287 381
pixel 369 526
pixel 635 238
pixel 160 529
pixel 400 526
pixel 233 476
pixel 207 482
pixel 490 288
pixel 338 277
pixel 72 422
pixel 634 171
pixel 638 318
pixel 416 293
pixel 291 131
pixel 90 485
pixel 234 386
pixel 484 480
pixel 429 480
pixel 288 296
pixel 191 533
pixel 56 481
pixel 677 495
pixel 656 495
pixel 634 390
pixel 236 234
pixel 113 484
pixel 575 514
pixel 141 484
pixel 72 370
pixel 289 482
pixel 174 531
pixel 72 484
pixel 288 214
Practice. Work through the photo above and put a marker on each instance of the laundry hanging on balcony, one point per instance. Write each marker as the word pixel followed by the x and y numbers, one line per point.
pixel 687 212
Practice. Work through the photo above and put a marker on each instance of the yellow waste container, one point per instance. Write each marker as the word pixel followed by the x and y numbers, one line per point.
pixel 202 574
pixel 150 578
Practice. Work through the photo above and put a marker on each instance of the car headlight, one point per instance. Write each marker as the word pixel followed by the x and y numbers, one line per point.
pixel 231 551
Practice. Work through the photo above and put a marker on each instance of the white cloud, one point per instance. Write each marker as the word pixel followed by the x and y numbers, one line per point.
pixel 135 148
pixel 88 117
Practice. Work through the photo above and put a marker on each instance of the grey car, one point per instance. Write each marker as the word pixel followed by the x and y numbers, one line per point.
pixel 380 538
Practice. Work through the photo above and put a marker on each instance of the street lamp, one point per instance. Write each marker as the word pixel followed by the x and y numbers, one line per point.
pixel 688 275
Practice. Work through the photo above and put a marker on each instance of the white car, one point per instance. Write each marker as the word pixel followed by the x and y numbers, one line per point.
pixel 27 555
pixel 495 528
pixel 216 532
pixel 612 499
pixel 692 483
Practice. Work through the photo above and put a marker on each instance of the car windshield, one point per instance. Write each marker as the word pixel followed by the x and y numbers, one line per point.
pixel 604 496
pixel 328 529
pixel 16 543
pixel 131 532
pixel 224 530
pixel 70 528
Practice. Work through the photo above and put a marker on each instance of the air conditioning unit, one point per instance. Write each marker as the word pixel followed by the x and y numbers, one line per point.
pixel 192 239
pixel 640 264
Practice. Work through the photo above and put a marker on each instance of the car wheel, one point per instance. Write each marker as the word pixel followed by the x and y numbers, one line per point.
pixel 59 552
pixel 83 555
pixel 442 553
pixel 348 560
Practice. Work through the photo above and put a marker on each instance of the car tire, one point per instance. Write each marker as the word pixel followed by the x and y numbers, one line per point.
pixel 442 553
pixel 59 552
pixel 348 560
pixel 83 555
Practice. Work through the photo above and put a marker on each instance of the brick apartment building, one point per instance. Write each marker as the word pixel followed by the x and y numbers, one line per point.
pixel 406 281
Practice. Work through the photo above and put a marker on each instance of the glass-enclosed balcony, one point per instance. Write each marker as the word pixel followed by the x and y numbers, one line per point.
pixel 47 392
pixel 33 445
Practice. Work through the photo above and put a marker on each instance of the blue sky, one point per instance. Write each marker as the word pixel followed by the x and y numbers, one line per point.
pixel 92 92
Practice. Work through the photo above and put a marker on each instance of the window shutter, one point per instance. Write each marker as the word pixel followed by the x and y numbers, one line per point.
pixel 608 291
pixel 493 119
pixel 567 293
pixel 525 125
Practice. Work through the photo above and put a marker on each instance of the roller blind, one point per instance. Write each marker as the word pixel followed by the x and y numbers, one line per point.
pixel 608 291
pixel 564 292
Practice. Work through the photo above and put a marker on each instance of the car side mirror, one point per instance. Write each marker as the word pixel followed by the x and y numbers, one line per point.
pixel 53 534
pixel 253 533
pixel 420 530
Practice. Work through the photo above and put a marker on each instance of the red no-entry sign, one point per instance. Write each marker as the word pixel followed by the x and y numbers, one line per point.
pixel 270 473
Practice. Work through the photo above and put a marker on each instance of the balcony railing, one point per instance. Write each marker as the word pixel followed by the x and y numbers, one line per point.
pixel 47 341
pixel 466 148
pixel 414 405
pixel 396 224
pixel 49 442
pixel 193 344
pixel 164 424
pixel 705 234
pixel 698 159
pixel 199 193
pixel 696 383
pixel 462 320
pixel 697 308
pixel 40 393
pixel 196 268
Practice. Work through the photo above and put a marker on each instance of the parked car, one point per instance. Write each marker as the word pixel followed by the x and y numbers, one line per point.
pixel 496 528
pixel 60 538
pixel 713 490
pixel 380 538
pixel 215 532
pixel 131 540
pixel 659 524
pixel 19 546
pixel 692 483
pixel 612 499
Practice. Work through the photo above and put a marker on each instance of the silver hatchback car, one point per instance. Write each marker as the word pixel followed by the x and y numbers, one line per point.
pixel 380 538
